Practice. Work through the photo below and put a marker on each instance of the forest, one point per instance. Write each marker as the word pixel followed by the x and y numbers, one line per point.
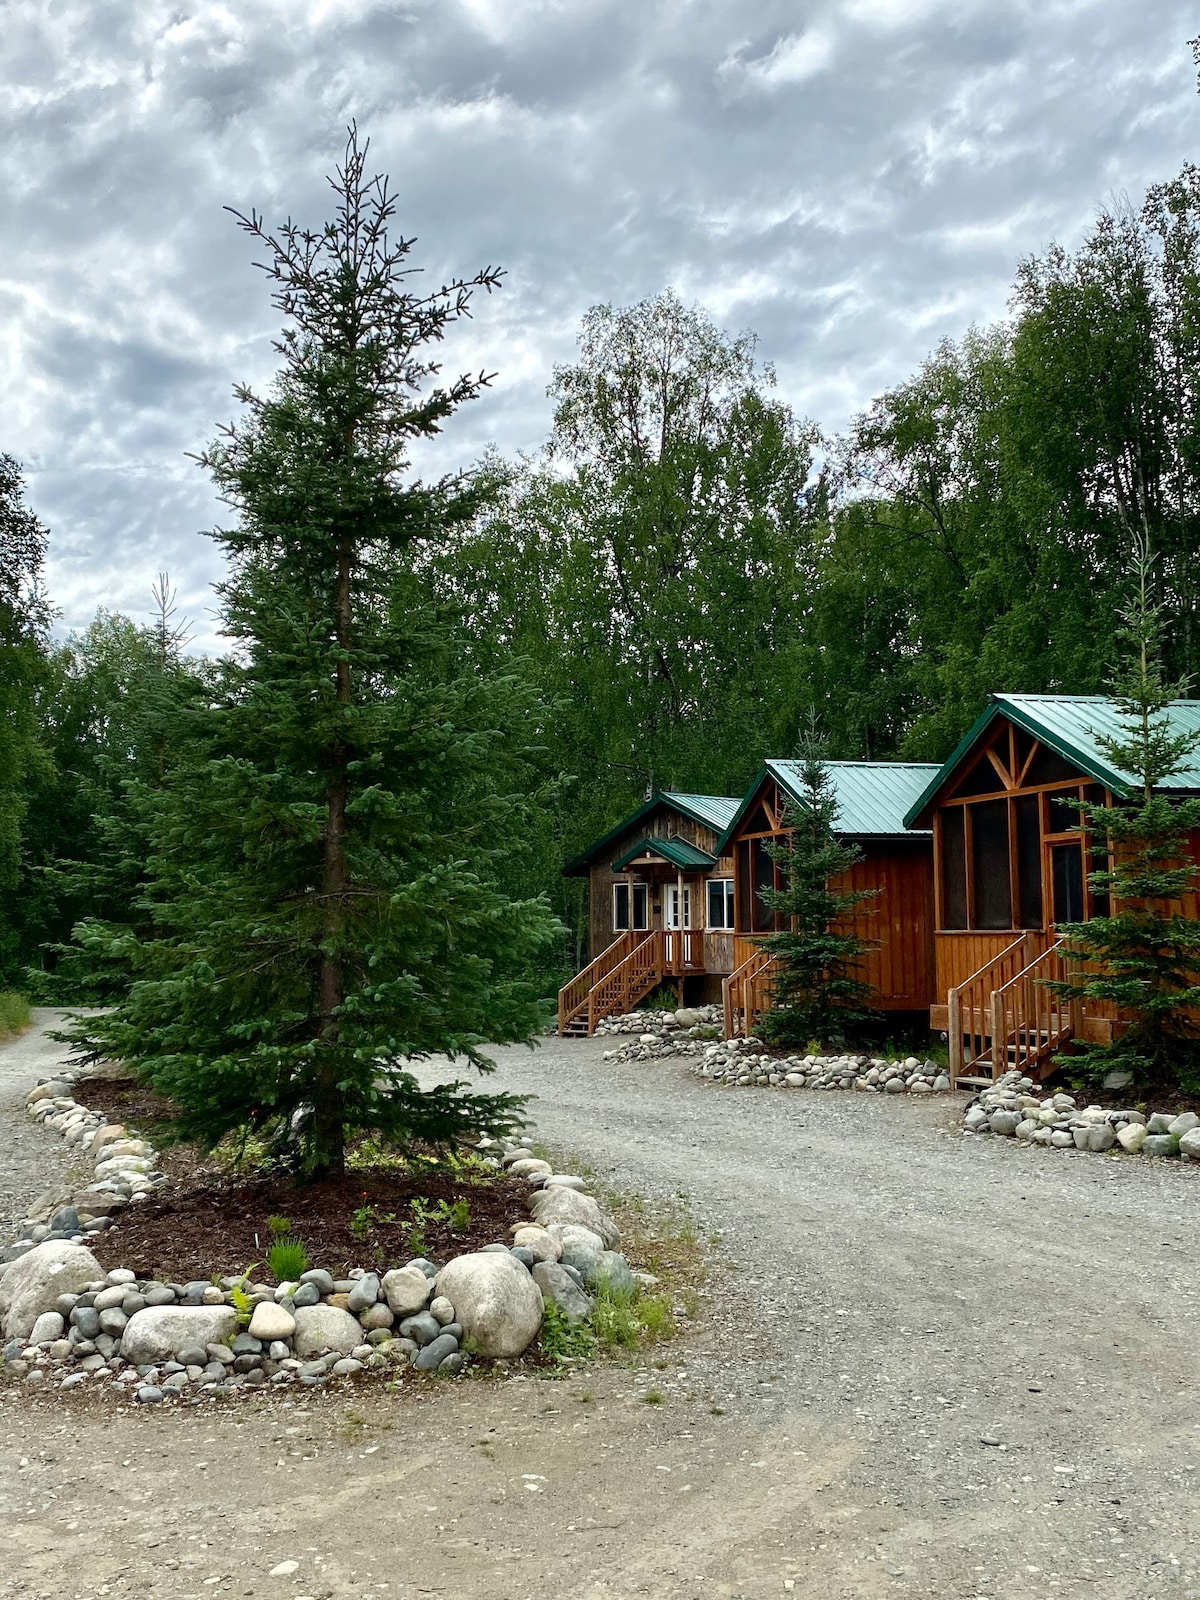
pixel 681 579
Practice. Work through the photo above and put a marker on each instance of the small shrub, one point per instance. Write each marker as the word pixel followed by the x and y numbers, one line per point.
pixel 362 1221
pixel 279 1226
pixel 562 1340
pixel 287 1258
pixel 653 1397
pixel 456 1214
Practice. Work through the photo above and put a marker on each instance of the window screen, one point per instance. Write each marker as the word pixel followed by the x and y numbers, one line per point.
pixel 989 862
pixel 744 886
pixel 641 906
pixel 1049 767
pixel 982 779
pixel 764 880
pixel 1098 854
pixel 1067 868
pixel 1063 815
pixel 620 906
pixel 1029 860
pixel 720 903
pixel 954 869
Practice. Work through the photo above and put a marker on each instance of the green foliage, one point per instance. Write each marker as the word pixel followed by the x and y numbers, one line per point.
pixel 287 1258
pixel 563 1341
pixel 15 1015
pixel 1145 956
pixel 816 990
pixel 279 1227
pixel 324 868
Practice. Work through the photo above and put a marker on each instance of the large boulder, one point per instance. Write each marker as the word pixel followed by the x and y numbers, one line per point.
pixel 560 1289
pixel 612 1271
pixel 495 1300
pixel 568 1205
pixel 159 1333
pixel 34 1281
pixel 321 1328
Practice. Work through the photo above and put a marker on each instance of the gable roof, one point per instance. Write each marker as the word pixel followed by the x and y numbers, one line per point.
pixel 677 852
pixel 1069 724
pixel 713 811
pixel 873 796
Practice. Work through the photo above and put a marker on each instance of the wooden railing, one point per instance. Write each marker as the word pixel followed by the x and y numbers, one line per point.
pixel 969 1007
pixel 1030 1023
pixel 683 951
pixel 747 992
pixel 572 997
pixel 620 990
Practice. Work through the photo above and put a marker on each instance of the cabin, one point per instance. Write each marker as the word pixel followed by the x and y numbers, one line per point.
pixel 1011 864
pixel 895 866
pixel 676 895
pixel 973 864
pixel 660 899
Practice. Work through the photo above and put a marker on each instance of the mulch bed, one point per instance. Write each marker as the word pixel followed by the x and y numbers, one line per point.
pixel 213 1222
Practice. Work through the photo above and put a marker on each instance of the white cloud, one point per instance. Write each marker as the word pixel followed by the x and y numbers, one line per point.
pixel 853 179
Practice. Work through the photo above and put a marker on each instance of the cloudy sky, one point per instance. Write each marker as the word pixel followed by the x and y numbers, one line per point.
pixel 852 179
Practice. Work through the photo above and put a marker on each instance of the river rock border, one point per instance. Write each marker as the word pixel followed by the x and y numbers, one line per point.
pixel 1012 1108
pixel 70 1324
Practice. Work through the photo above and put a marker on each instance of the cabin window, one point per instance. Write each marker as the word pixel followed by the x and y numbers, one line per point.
pixel 630 907
pixel 1098 855
pixel 720 903
pixel 764 882
pixel 989 861
pixel 1063 814
pixel 954 868
pixel 1066 864
pixel 1029 860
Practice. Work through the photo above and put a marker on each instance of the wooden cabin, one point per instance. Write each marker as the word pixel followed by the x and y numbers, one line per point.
pixel 660 908
pixel 676 895
pixel 896 865
pixel 1011 863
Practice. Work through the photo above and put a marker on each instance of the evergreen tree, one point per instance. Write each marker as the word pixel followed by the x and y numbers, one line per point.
pixel 323 876
pixel 816 990
pixel 1145 956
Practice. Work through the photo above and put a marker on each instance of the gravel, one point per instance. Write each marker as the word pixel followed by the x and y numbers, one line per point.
pixel 31 1161
pixel 931 1365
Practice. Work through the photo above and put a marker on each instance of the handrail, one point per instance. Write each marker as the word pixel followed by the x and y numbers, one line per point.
pixel 742 993
pixel 1030 1021
pixel 969 1005
pixel 573 995
pixel 622 988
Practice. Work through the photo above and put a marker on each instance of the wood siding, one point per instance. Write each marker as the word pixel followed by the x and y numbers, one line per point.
pixel 898 921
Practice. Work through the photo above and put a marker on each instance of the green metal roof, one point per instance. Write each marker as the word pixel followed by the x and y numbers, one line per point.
pixel 688 857
pixel 714 811
pixel 872 796
pixel 1070 724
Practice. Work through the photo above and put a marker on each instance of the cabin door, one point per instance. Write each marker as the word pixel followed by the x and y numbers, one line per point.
pixel 1066 880
pixel 677 911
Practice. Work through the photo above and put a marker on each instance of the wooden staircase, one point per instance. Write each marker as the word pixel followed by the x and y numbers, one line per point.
pixel 747 993
pixel 1004 1018
pixel 625 973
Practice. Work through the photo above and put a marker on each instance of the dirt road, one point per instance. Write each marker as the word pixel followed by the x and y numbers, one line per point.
pixel 933 1367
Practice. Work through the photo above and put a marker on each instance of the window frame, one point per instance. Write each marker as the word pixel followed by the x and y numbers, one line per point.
pixel 728 904
pixel 633 891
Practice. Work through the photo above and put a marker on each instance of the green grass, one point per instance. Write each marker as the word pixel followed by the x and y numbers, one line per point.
pixel 287 1259
pixel 15 1015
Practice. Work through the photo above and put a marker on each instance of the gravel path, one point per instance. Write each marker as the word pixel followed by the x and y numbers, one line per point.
pixel 934 1366
pixel 30 1161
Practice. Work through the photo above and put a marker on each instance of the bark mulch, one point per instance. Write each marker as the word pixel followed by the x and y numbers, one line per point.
pixel 214 1222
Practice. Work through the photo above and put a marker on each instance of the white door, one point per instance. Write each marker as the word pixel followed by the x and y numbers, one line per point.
pixel 678 916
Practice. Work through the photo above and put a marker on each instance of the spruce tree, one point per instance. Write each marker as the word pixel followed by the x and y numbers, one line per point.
pixel 1145 956
pixel 323 877
pixel 817 992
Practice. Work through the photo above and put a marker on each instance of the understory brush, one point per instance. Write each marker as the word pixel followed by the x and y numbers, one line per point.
pixel 15 1015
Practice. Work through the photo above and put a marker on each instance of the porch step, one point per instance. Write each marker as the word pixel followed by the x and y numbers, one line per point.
pixel 972 1082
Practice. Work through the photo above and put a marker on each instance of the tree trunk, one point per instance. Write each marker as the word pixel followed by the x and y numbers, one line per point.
pixel 329 1133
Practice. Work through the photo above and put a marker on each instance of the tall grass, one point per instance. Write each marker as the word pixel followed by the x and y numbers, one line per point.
pixel 15 1015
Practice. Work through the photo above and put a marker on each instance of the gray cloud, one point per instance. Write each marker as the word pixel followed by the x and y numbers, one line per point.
pixel 854 179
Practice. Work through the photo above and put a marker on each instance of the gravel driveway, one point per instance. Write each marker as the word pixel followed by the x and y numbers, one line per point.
pixel 30 1161
pixel 932 1366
